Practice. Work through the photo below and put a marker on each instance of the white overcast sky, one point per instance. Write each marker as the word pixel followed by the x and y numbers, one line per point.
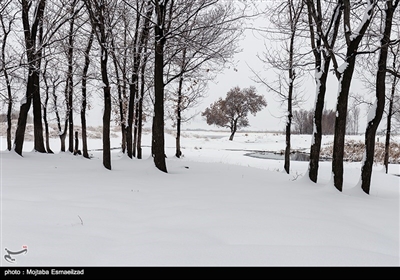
pixel 272 117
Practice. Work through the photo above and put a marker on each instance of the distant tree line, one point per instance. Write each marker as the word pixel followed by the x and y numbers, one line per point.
pixel 303 121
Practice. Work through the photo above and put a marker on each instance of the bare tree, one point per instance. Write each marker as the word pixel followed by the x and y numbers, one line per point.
pixel 73 7
pixel 286 17
pixel 33 53
pixel 45 105
pixel 353 118
pixel 84 92
pixel 376 111
pixel 7 20
pixel 395 50
pixel 161 29
pixel 345 74
pixel 232 111
pixel 140 63
pixel 41 21
pixel 303 121
pixel 100 13
pixel 323 32
pixel 201 49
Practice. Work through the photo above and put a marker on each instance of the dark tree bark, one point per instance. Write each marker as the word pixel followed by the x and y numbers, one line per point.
pixel 292 77
pixel 340 121
pixel 389 126
pixel 389 118
pixel 46 101
pixel 322 63
pixel 133 88
pixel 158 145
pixel 178 152
pixel 70 78
pixel 375 119
pixel 120 89
pixel 32 90
pixel 84 94
pixel 76 148
pixel 136 123
pixel 140 44
pixel 9 112
pixel 140 103
pixel 233 129
pixel 345 77
pixel 107 112
pixel 293 17
pixel 61 132
pixel 98 14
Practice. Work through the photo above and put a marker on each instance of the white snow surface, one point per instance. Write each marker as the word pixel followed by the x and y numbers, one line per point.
pixel 215 207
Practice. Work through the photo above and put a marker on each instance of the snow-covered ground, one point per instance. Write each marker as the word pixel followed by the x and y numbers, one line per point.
pixel 215 207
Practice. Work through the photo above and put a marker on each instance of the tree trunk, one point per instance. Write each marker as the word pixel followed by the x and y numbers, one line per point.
pixel 144 39
pixel 107 111
pixel 158 119
pixel 178 151
pixel 32 94
pixel 322 62
pixel 375 118
pixel 131 106
pixel 140 105
pixel 340 122
pixel 136 123
pixel 46 100
pixel 8 83
pixel 37 105
pixel 120 97
pixel 84 95
pixel 345 76
pixel 9 119
pixel 46 124
pixel 62 133
pixel 84 133
pixel 32 89
pixel 287 148
pixel 389 125
pixel 63 137
pixel 70 77
pixel 233 129
pixel 232 135
pixel 37 114
pixel 76 148
pixel 133 88
pixel 21 126
pixel 292 77
pixel 315 149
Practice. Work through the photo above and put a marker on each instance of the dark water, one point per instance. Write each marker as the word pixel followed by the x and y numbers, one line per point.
pixel 297 156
